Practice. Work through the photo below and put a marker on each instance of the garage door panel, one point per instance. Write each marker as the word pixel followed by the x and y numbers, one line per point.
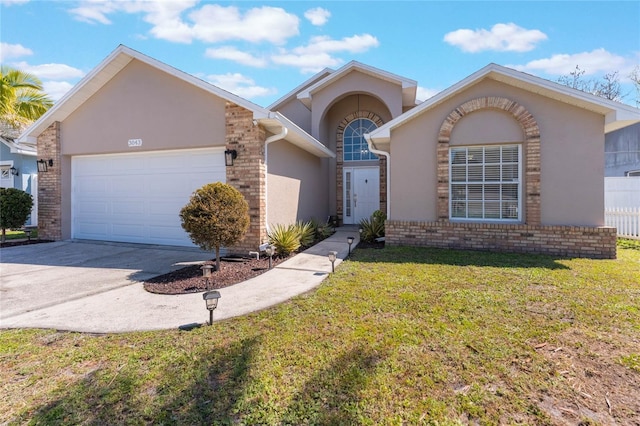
pixel 137 197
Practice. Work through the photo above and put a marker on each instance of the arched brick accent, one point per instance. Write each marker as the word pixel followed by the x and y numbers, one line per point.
pixel 531 152
pixel 340 161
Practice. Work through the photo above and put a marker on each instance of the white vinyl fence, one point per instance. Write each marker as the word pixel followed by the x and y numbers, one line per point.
pixel 625 220
pixel 622 205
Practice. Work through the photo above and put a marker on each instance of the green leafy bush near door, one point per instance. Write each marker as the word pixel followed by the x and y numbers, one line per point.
pixel 373 227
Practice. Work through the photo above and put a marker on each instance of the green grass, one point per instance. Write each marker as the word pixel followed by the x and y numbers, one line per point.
pixel 395 336
pixel 17 234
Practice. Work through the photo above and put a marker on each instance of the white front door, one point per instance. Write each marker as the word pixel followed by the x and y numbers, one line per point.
pixel 361 193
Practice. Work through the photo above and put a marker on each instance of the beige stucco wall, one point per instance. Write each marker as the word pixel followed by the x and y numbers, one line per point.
pixel 296 185
pixel 297 112
pixel 572 156
pixel 141 102
pixel 355 82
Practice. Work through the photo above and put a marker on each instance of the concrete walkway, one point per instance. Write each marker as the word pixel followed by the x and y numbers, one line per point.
pixel 123 305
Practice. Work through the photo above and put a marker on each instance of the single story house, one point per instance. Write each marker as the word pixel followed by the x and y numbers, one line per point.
pixel 501 160
pixel 18 170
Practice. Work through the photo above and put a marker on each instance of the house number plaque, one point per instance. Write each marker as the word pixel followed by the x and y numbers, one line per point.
pixel 135 142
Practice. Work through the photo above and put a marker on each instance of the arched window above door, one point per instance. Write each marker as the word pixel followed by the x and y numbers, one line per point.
pixel 355 146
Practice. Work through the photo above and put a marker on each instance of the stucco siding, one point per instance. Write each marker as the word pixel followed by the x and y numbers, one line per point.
pixel 295 111
pixel 355 82
pixel 142 102
pixel 296 185
pixel 572 156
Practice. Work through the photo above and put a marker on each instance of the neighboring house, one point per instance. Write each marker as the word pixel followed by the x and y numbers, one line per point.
pixel 500 161
pixel 18 170
pixel 622 152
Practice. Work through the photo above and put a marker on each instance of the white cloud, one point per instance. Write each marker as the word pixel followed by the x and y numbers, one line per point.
pixel 13 51
pixel 240 85
pixel 502 38
pixel 594 62
pixel 354 44
pixel 214 23
pixel 50 71
pixel 233 54
pixel 308 63
pixel 424 93
pixel 56 89
pixel 210 23
pixel 12 2
pixel 317 16
pixel 317 55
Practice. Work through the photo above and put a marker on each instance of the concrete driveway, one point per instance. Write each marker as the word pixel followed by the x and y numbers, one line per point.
pixel 38 276
pixel 96 287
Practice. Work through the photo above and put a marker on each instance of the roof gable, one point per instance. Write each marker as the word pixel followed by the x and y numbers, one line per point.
pixel 408 86
pixel 617 115
pixel 105 71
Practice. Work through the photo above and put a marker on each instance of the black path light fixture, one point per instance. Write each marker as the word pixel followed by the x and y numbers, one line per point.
pixel 350 241
pixel 333 255
pixel 43 165
pixel 229 156
pixel 211 299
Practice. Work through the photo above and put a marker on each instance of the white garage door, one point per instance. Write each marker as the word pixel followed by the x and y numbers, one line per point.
pixel 137 197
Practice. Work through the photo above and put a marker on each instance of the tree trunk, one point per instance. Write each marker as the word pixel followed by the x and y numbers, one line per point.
pixel 4 234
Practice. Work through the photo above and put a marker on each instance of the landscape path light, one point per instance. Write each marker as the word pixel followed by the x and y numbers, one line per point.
pixel 269 252
pixel 332 258
pixel 350 241
pixel 211 299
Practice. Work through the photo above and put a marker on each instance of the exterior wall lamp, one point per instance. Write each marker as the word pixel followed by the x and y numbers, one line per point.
pixel 211 299
pixel 229 156
pixel 14 171
pixel 42 165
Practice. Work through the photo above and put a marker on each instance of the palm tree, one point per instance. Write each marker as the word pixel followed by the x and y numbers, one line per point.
pixel 22 99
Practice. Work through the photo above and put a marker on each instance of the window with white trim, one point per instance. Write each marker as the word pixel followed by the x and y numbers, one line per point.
pixel 354 145
pixel 485 183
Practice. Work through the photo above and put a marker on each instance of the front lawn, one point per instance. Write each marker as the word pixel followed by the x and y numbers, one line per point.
pixel 395 336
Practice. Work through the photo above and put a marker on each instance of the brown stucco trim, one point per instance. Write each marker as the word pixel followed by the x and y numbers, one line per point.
pixel 531 152
pixel 382 161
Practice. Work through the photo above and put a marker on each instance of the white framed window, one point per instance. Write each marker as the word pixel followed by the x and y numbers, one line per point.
pixel 354 145
pixel 485 183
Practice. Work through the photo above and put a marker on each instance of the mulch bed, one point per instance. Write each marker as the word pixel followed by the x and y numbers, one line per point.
pixel 11 243
pixel 190 280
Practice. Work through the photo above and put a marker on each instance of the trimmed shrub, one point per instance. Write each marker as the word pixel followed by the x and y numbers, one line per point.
pixel 373 227
pixel 217 215
pixel 15 208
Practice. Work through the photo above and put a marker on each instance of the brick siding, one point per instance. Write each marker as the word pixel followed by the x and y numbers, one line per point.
pixel 50 185
pixel 565 241
pixel 248 173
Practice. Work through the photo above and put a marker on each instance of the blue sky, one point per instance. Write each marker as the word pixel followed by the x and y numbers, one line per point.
pixel 262 50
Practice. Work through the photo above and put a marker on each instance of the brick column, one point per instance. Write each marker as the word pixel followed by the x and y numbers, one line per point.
pixel 50 185
pixel 248 173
